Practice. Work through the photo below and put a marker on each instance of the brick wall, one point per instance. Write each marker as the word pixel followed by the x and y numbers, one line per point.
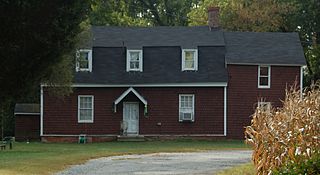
pixel 243 93
pixel 60 116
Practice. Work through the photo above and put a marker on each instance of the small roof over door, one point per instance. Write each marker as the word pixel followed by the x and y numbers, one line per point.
pixel 125 93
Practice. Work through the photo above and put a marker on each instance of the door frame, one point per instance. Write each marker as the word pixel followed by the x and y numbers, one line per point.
pixel 123 117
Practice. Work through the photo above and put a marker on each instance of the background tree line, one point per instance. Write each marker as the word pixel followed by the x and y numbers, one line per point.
pixel 38 38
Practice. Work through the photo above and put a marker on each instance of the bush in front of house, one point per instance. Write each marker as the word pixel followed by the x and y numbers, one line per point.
pixel 287 136
pixel 308 166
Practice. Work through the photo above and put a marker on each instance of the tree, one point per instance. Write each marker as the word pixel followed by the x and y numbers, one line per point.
pixel 245 15
pixel 306 21
pixel 271 16
pixel 37 41
pixel 141 12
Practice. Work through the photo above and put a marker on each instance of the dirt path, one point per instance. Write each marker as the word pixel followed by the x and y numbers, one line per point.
pixel 162 163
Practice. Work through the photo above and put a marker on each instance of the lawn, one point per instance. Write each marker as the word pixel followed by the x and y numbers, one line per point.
pixel 46 158
pixel 245 169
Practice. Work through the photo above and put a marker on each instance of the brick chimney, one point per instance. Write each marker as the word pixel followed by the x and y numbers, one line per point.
pixel 213 17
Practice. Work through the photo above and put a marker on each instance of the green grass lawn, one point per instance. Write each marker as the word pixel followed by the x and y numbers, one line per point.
pixel 46 158
pixel 245 169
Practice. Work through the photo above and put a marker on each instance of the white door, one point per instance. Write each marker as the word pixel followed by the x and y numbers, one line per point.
pixel 131 117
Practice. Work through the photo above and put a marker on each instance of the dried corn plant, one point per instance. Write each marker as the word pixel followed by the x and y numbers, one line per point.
pixel 290 133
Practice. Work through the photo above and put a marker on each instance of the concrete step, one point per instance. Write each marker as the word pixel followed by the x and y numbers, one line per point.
pixel 131 138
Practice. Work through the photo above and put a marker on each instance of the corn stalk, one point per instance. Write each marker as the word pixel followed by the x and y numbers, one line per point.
pixel 290 133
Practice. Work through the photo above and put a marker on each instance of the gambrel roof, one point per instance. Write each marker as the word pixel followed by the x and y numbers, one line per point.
pixel 162 54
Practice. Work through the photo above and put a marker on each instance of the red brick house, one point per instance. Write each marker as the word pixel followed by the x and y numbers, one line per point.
pixel 172 82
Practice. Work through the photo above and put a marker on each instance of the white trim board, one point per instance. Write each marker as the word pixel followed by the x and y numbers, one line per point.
pixel 256 64
pixel 225 112
pixel 125 93
pixel 218 84
pixel 41 110
pixel 269 77
pixel 140 69
pixel 92 109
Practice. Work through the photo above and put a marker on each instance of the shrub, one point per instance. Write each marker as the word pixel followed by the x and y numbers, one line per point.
pixel 287 134
pixel 309 166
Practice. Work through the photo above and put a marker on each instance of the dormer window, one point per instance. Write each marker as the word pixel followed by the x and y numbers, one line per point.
pixel 84 60
pixel 189 59
pixel 134 60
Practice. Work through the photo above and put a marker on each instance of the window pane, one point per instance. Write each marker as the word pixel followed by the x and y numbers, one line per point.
pixel 85 114
pixel 84 60
pixel 189 59
pixel 189 55
pixel 186 102
pixel 264 81
pixel 134 56
pixel 263 71
pixel 189 64
pixel 265 106
pixel 85 102
pixel 134 65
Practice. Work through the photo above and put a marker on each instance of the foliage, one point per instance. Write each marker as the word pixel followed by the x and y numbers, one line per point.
pixel 141 12
pixel 37 39
pixel 287 134
pixel 269 16
pixel 115 13
pixel 309 166
pixel 42 158
pixel 244 15
pixel 313 71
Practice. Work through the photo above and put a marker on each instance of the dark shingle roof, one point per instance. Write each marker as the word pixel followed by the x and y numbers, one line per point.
pixel 161 65
pixel 27 108
pixel 263 48
pixel 162 53
pixel 137 37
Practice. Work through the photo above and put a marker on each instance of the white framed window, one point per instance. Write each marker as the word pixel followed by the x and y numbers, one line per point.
pixel 186 107
pixel 85 108
pixel 134 60
pixel 84 60
pixel 189 59
pixel 264 106
pixel 264 77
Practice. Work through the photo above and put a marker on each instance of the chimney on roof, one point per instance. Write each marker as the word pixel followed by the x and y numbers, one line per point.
pixel 213 17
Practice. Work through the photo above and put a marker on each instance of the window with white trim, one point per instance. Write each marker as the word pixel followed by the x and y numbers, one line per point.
pixel 264 76
pixel 85 108
pixel 264 106
pixel 189 59
pixel 84 60
pixel 134 60
pixel 186 107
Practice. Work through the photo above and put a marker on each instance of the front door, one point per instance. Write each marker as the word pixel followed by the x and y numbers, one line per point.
pixel 131 117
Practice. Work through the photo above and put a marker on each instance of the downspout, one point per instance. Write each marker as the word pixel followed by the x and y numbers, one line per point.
pixel 225 111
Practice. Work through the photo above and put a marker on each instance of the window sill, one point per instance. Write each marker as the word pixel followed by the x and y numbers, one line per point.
pixel 83 70
pixel 186 121
pixel 85 121
pixel 263 87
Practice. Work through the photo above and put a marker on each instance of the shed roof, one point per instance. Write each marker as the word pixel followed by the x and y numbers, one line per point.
pixel 273 48
pixel 27 109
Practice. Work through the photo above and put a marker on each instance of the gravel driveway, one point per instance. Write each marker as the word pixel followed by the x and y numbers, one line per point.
pixel 162 163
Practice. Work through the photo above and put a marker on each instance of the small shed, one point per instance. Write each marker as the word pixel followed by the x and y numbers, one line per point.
pixel 27 121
